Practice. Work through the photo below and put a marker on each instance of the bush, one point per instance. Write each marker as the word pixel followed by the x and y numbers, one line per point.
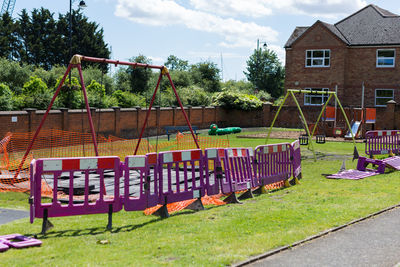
pixel 96 94
pixel 194 96
pixel 6 97
pixel 232 100
pixel 70 95
pixel 36 94
pixel 128 100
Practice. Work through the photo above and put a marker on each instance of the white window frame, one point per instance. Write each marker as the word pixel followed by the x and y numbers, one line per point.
pixel 320 58
pixel 380 97
pixel 386 66
pixel 324 97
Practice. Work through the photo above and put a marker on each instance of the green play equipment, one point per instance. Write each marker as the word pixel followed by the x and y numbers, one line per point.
pixel 214 130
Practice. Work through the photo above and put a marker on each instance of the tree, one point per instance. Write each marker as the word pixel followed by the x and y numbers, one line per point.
pixel 44 41
pixel 206 75
pixel 139 77
pixel 265 72
pixel 9 45
pixel 175 63
pixel 6 101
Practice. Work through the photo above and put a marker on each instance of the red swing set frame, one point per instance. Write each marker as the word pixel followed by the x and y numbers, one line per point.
pixel 76 63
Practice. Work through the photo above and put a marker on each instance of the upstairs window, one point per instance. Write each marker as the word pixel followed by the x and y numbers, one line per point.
pixel 318 58
pixel 315 99
pixel 382 96
pixel 385 58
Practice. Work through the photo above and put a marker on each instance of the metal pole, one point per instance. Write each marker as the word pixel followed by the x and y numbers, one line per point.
pixel 183 110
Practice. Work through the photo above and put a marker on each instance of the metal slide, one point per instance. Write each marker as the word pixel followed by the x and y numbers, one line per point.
pixel 354 129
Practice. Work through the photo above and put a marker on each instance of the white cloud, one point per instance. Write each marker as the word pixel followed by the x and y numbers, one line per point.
pixel 235 33
pixel 258 8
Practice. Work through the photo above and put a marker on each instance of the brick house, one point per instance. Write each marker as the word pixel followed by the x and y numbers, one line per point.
pixel 363 48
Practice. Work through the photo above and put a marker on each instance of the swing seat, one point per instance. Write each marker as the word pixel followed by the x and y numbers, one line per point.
pixel 303 139
pixel 320 139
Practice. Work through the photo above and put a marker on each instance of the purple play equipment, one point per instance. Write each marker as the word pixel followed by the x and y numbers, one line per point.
pixel 157 179
pixel 17 241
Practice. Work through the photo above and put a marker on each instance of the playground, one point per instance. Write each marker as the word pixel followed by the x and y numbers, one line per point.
pixel 226 234
pixel 186 199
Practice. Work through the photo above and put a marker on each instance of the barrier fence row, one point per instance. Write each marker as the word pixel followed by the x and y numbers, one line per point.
pixel 95 185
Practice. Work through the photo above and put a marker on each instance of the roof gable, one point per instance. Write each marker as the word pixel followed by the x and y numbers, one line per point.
pixel 371 25
pixel 300 32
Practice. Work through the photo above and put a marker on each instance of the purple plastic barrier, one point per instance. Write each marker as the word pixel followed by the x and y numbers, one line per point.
pixel 363 163
pixel 352 175
pixel 181 175
pixel 213 158
pixel 274 164
pixel 142 172
pixel 3 247
pixel 295 156
pixel 382 142
pixel 53 169
pixel 238 170
pixel 19 241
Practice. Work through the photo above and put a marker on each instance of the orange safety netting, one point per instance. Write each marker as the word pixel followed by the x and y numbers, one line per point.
pixel 52 143
pixel 206 200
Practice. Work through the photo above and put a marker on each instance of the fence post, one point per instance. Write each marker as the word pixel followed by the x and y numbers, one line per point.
pixel 390 114
pixel 31 114
pixel 138 111
pixel 117 117
pixel 174 116
pixel 266 113
pixel 190 108
pixel 64 119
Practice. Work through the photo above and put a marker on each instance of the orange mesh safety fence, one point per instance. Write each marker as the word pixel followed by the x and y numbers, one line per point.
pixel 177 206
pixel 53 143
pixel 185 141
pixel 206 200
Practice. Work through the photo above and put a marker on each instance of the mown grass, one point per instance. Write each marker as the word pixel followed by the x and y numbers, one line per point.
pixel 216 236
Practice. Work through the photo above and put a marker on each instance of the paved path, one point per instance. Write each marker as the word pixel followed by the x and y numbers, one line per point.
pixel 7 215
pixel 373 242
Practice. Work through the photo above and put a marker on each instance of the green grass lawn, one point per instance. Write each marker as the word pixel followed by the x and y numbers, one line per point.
pixel 217 236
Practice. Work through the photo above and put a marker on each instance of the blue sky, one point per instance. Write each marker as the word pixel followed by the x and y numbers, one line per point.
pixel 198 30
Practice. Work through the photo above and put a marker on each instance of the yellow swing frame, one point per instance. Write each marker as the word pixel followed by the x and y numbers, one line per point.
pixel 299 91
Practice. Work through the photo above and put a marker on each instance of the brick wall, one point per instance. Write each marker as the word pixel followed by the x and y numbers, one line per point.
pixel 124 122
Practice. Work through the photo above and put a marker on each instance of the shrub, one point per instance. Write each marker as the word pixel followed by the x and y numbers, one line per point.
pixel 36 94
pixel 70 95
pixel 6 97
pixel 232 100
pixel 128 100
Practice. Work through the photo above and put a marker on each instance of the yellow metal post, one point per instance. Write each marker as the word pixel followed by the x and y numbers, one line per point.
pixel 276 116
pixel 305 124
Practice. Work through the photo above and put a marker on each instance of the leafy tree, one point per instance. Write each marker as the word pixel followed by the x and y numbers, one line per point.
pixel 175 63
pixel 265 72
pixel 14 75
pixel 6 101
pixel 9 44
pixel 139 77
pixel 87 38
pixel 206 75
